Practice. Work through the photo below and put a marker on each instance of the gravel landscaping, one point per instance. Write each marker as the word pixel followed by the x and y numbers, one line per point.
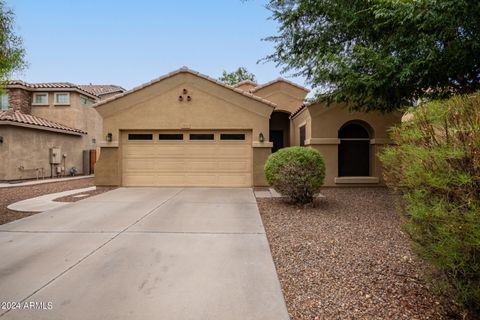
pixel 76 196
pixel 346 257
pixel 14 194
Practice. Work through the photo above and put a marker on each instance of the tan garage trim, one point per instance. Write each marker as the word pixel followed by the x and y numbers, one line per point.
pixel 215 160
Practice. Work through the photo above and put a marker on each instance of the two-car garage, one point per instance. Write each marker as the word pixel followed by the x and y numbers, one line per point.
pixel 184 130
pixel 187 158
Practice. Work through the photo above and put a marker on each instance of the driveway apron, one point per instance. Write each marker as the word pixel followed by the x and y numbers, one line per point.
pixel 142 253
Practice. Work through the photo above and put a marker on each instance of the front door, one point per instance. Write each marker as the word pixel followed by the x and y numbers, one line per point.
pixel 276 136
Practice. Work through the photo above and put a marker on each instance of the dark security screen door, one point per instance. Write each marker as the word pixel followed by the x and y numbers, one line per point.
pixel 276 136
pixel 354 158
pixel 353 151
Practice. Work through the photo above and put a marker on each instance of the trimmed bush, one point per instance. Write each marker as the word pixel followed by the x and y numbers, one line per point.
pixel 296 172
pixel 435 164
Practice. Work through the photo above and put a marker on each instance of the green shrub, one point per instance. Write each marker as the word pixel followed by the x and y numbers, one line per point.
pixel 435 164
pixel 296 172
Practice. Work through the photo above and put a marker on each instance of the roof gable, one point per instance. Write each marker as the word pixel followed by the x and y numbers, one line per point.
pixel 277 81
pixel 191 72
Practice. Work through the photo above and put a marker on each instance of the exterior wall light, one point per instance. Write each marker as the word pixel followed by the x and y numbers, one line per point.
pixel 261 138
pixel 109 137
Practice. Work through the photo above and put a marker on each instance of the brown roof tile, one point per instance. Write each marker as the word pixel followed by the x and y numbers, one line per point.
pixel 94 90
pixel 20 117
pixel 279 80
pixel 100 89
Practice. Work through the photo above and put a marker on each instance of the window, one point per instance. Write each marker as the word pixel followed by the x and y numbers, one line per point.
pixel 62 98
pixel 170 136
pixel 140 136
pixel 4 101
pixel 85 100
pixel 202 136
pixel 302 136
pixel 232 136
pixel 40 99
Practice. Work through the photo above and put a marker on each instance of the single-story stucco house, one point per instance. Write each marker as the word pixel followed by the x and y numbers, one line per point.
pixel 187 129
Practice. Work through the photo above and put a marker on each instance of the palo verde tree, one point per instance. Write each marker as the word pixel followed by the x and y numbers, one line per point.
pixel 241 74
pixel 379 54
pixel 11 50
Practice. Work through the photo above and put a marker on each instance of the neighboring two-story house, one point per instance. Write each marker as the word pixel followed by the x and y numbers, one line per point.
pixel 49 129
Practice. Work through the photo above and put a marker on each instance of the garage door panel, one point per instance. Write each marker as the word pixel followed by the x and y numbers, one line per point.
pixel 201 179
pixel 139 179
pixel 201 166
pixel 236 180
pixel 135 151
pixel 201 151
pixel 187 163
pixel 228 151
pixel 235 166
pixel 139 164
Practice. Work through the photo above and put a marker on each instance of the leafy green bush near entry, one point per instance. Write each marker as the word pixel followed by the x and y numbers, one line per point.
pixel 296 172
pixel 436 166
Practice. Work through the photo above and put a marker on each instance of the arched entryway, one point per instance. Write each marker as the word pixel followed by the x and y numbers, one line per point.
pixel 354 149
pixel 279 130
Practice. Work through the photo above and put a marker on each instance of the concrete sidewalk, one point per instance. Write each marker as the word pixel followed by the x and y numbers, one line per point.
pixel 45 202
pixel 41 181
pixel 143 253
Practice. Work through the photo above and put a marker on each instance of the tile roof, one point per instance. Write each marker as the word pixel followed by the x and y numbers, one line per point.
pixel 294 113
pixel 48 85
pixel 20 117
pixel 279 80
pixel 101 89
pixel 253 83
pixel 187 70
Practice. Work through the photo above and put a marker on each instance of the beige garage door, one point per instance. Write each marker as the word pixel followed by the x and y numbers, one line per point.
pixel 187 158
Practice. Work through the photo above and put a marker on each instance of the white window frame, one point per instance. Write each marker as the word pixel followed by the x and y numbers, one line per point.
pixel 61 104
pixel 38 94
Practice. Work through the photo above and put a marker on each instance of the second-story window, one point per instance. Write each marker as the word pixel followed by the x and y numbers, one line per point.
pixel 40 99
pixel 85 101
pixel 62 99
pixel 4 101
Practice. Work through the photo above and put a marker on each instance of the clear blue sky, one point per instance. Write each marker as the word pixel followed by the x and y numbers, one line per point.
pixel 131 42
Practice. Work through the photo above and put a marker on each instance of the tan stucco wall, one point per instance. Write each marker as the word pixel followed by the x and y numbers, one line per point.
pixel 75 115
pixel 260 155
pixel 29 148
pixel 322 126
pixel 299 120
pixel 287 97
pixel 107 168
pixel 157 106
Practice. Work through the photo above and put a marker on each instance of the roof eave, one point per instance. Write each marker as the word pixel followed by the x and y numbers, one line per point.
pixel 20 86
pixel 38 127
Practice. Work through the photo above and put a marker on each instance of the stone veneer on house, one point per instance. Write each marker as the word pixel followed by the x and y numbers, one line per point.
pixel 20 99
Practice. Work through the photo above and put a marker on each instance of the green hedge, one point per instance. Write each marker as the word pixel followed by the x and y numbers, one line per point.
pixel 296 172
pixel 436 165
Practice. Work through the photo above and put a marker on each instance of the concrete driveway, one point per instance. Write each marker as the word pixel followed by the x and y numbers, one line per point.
pixel 142 253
